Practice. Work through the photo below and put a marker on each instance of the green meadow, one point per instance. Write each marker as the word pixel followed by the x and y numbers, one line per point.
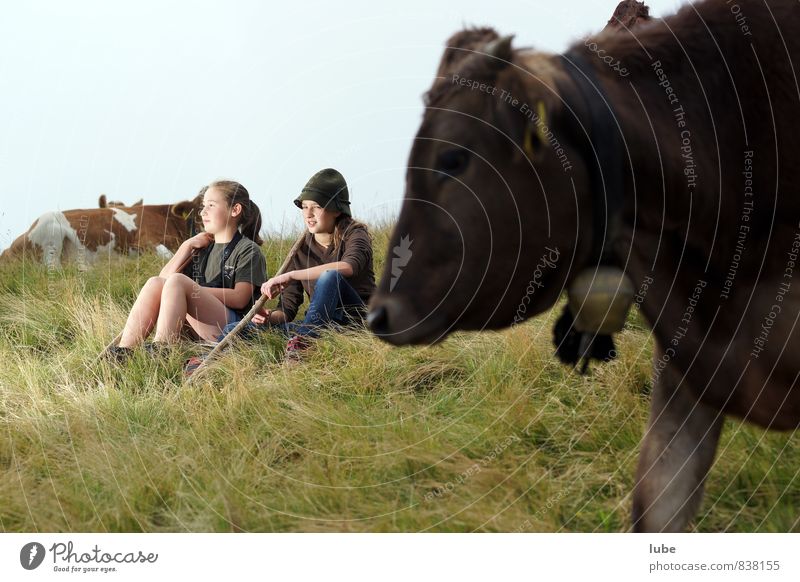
pixel 483 432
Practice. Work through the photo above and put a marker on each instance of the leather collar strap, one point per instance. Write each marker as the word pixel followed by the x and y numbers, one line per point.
pixel 603 156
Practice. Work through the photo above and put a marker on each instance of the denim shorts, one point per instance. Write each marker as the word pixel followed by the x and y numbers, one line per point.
pixel 233 316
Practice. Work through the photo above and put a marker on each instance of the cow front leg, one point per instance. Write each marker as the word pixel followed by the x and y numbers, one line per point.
pixel 677 452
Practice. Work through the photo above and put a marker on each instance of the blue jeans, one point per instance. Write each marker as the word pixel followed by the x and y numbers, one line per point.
pixel 335 303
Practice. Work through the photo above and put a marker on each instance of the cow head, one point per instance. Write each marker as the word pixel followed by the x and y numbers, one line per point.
pixel 495 197
pixel 189 212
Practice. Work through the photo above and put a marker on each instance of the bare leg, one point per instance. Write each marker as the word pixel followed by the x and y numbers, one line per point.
pixel 677 452
pixel 184 300
pixel 143 316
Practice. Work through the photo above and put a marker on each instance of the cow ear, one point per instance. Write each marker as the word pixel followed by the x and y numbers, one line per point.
pixel 101 202
pixel 139 202
pixel 463 44
pixel 183 209
pixel 499 52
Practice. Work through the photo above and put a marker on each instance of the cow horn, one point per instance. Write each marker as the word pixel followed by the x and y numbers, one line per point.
pixel 500 51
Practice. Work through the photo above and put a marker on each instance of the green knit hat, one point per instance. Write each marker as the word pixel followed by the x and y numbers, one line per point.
pixel 328 189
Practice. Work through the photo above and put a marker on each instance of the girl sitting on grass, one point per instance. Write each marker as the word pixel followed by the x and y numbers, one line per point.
pixel 333 266
pixel 218 285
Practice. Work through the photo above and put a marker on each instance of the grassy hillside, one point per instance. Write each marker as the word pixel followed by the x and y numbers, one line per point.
pixel 486 432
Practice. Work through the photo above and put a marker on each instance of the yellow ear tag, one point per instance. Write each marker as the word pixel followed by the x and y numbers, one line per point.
pixel 527 141
pixel 541 134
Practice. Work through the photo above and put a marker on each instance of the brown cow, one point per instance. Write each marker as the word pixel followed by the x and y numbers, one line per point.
pixel 670 152
pixel 87 234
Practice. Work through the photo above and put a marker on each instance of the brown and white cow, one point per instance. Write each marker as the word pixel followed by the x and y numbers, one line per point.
pixel 85 235
pixel 669 151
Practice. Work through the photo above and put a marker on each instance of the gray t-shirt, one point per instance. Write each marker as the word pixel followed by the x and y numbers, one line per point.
pixel 246 264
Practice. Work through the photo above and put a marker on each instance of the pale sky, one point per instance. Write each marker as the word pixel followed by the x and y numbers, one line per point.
pixel 154 99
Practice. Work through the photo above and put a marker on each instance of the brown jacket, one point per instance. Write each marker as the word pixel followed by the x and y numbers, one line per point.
pixel 355 249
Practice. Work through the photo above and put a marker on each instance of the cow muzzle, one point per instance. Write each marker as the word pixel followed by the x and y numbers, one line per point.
pixel 394 320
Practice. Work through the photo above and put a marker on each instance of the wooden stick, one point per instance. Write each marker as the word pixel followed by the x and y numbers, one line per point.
pixel 258 306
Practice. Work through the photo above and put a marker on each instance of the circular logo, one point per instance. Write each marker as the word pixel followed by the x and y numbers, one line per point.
pixel 31 555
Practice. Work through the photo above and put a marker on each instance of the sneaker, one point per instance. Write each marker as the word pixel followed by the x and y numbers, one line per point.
pixel 296 347
pixel 118 355
pixel 156 349
pixel 192 364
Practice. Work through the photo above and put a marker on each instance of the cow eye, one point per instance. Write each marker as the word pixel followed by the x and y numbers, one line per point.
pixel 452 162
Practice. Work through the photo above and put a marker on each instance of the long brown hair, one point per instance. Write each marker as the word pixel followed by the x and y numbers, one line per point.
pixel 250 218
pixel 342 225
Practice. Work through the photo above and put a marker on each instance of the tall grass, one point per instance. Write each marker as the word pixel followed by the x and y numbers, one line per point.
pixel 485 432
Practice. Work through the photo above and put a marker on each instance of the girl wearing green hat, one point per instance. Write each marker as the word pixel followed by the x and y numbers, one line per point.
pixel 333 266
